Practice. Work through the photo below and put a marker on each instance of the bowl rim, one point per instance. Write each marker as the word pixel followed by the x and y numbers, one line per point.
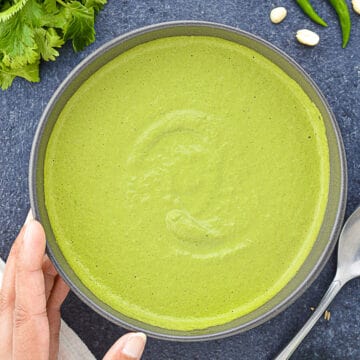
pixel 336 226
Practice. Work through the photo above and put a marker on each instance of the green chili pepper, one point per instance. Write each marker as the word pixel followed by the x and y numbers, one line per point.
pixel 343 14
pixel 307 8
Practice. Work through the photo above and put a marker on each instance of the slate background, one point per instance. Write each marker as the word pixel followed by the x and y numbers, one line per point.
pixel 335 70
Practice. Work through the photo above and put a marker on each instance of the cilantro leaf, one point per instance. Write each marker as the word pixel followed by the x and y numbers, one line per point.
pixel 33 30
pixel 96 4
pixel 29 72
pixel 6 80
pixel 8 11
pixel 80 28
pixel 56 19
pixel 50 6
pixel 46 41
pixel 17 46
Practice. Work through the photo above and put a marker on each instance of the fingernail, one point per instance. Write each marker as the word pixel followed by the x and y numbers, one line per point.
pixel 29 217
pixel 28 234
pixel 135 345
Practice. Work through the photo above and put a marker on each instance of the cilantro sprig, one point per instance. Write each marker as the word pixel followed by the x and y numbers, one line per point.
pixel 34 30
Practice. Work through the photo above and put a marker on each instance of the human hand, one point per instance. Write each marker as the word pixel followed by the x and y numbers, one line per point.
pixel 30 301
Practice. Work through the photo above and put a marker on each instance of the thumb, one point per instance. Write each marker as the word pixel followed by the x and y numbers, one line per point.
pixel 128 347
pixel 31 326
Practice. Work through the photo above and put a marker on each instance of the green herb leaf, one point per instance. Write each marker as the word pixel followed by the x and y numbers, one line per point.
pixel 96 4
pixel 47 41
pixel 33 30
pixel 50 6
pixel 8 11
pixel 80 28
pixel 17 45
pixel 29 72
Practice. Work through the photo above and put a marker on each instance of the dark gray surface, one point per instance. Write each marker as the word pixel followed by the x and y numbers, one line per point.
pixel 335 70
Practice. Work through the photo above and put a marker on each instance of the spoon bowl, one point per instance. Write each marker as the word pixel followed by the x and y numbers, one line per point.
pixel 349 249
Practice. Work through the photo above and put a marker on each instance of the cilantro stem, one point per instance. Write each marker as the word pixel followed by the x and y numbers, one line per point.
pixel 61 3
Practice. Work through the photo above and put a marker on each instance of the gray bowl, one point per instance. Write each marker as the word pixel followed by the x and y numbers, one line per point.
pixel 330 228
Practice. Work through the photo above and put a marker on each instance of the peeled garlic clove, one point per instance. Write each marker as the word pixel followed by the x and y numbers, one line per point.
pixel 278 14
pixel 356 6
pixel 307 37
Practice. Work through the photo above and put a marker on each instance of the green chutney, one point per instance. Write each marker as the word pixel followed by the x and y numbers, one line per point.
pixel 186 181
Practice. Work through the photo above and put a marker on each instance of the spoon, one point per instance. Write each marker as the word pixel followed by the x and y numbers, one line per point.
pixel 348 268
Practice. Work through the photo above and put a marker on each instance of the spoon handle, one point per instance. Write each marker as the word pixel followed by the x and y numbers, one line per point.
pixel 333 289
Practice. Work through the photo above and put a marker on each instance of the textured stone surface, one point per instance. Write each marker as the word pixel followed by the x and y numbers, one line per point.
pixel 335 70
